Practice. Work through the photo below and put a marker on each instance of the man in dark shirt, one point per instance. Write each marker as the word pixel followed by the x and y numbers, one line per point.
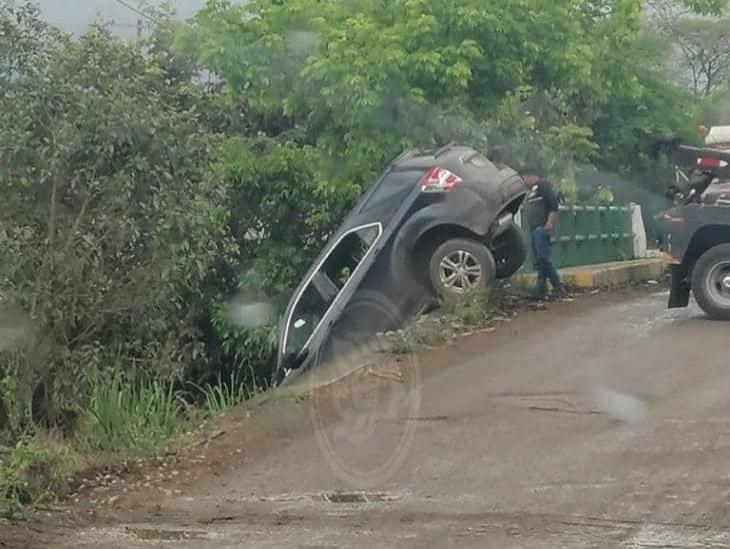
pixel 541 209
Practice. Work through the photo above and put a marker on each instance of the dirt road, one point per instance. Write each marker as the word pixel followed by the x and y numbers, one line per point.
pixel 602 423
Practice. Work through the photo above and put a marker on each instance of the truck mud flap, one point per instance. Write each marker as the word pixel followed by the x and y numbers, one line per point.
pixel 679 292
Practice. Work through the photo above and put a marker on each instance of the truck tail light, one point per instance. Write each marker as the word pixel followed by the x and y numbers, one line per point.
pixel 439 180
pixel 711 163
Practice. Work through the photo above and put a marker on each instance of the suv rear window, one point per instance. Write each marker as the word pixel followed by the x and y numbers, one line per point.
pixel 391 192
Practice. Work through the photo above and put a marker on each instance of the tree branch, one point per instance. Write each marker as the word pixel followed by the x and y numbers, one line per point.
pixel 53 208
pixel 76 225
pixel 50 239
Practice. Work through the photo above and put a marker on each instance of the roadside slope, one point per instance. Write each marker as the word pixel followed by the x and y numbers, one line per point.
pixel 520 440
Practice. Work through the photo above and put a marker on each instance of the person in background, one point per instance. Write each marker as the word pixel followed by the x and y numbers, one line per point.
pixel 541 210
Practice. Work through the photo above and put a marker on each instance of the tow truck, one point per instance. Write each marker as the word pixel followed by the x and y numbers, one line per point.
pixel 696 246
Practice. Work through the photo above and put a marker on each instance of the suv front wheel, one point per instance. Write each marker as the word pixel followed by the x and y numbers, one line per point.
pixel 711 282
pixel 460 266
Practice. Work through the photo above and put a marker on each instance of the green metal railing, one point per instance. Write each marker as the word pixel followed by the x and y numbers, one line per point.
pixel 586 235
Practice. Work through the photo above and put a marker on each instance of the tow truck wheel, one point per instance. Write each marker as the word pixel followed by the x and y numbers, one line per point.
pixel 460 266
pixel 711 282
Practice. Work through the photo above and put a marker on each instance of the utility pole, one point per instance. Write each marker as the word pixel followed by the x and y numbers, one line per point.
pixel 139 28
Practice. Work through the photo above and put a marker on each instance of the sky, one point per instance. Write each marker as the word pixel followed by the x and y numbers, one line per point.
pixel 75 15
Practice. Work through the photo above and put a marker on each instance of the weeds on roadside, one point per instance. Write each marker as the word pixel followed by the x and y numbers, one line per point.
pixel 433 329
pixel 132 419
pixel 35 470
pixel 467 313
pixel 423 332
pixel 121 420
pixel 224 395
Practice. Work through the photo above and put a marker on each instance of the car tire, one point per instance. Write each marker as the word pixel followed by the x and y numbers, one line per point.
pixel 460 266
pixel 711 282
pixel 510 251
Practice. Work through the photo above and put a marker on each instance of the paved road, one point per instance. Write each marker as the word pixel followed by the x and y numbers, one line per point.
pixel 605 423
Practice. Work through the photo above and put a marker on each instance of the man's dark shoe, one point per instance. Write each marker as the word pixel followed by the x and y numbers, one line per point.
pixel 563 295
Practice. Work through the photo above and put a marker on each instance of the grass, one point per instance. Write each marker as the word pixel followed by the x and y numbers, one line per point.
pixel 222 396
pixel 34 471
pixel 136 420
pixel 466 314
pixel 121 421
pixel 423 332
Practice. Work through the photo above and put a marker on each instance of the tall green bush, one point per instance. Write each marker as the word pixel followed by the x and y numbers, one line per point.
pixel 112 230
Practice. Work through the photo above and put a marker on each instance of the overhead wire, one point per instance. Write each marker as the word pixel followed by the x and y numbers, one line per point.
pixel 136 10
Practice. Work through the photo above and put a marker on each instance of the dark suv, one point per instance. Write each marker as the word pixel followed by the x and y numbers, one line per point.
pixel 432 224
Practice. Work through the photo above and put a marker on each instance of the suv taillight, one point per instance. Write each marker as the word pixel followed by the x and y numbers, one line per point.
pixel 439 180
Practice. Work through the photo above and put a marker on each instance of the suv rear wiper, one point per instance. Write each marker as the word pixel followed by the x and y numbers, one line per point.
pixel 444 149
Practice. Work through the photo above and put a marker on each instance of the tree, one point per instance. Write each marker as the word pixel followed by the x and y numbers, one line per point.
pixel 715 109
pixel 704 47
pixel 363 80
pixel 111 230
pixel 697 32
pixel 663 12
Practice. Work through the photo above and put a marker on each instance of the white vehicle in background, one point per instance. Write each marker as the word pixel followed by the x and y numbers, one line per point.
pixel 718 192
pixel 718 138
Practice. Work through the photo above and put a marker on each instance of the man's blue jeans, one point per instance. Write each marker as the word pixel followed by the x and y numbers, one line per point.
pixel 543 265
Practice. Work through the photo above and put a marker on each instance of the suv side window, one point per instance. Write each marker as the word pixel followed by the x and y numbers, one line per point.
pixel 325 284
